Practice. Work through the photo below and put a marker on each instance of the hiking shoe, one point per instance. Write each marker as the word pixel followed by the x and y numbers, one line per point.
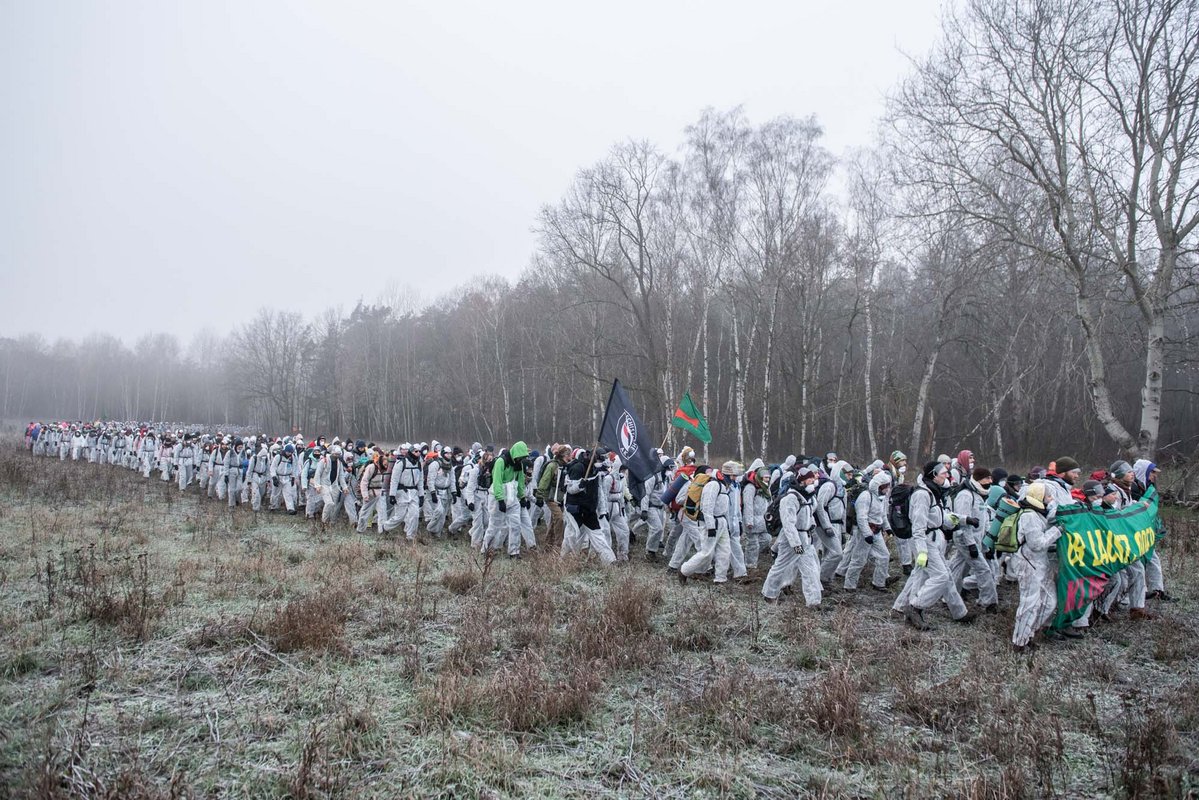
pixel 651 556
pixel 1024 648
pixel 1054 635
pixel 967 619
pixel 993 608
pixel 1141 614
pixel 1162 595
pixel 772 601
pixel 1073 633
pixel 682 579
pixel 915 617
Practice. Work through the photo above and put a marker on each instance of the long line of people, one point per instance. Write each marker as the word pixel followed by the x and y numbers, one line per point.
pixel 822 521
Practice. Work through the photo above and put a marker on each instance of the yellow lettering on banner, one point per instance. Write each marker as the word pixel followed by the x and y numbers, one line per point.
pixel 1103 548
pixel 1145 539
pixel 1075 551
pixel 1122 548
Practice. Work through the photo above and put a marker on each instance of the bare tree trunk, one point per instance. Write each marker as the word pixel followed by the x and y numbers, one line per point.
pixel 870 437
pixel 926 381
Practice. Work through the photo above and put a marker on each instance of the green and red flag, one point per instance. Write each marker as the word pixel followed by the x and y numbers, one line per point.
pixel 687 417
pixel 1095 545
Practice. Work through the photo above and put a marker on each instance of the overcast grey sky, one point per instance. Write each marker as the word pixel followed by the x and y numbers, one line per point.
pixel 167 166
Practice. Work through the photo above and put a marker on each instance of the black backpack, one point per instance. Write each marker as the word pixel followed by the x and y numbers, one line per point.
pixel 772 516
pixel 899 513
pixel 851 497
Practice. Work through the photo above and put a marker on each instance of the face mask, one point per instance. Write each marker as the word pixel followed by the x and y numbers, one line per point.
pixel 809 488
pixel 903 469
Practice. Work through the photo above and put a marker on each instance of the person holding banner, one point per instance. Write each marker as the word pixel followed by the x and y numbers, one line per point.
pixel 1146 473
pixel 1037 578
pixel 1128 583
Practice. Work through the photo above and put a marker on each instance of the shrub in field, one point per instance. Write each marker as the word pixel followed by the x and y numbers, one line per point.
pixel 460 581
pixel 620 632
pixel 315 623
pixel 526 695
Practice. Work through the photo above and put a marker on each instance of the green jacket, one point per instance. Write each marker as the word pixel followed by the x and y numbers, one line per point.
pixel 505 471
pixel 549 475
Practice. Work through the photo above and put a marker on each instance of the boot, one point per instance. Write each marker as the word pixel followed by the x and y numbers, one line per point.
pixel 967 619
pixel 993 608
pixel 1141 614
pixel 915 617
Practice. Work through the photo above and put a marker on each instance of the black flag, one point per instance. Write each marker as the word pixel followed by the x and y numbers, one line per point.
pixel 623 432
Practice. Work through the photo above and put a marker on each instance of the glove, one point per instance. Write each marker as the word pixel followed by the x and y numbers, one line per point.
pixel 470 507
pixel 869 539
pixel 275 482
pixel 645 516
pixel 829 533
pixel 798 549
pixel 711 532
pixel 922 559
pixel 540 503
pixel 524 502
pixel 433 499
pixel 972 522
pixel 420 501
pixel 503 506
pixel 391 499
pixel 974 551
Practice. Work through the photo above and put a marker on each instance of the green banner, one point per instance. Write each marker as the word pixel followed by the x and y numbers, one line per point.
pixel 687 417
pixel 1096 545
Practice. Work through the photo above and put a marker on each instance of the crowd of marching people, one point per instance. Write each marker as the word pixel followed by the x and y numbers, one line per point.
pixel 957 528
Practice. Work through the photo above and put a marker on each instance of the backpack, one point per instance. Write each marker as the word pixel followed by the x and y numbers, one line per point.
pixel 1006 509
pixel 773 516
pixel 899 513
pixel 691 503
pixel 852 493
pixel 1008 538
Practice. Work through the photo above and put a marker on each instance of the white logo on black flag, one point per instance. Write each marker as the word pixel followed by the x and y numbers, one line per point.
pixel 623 432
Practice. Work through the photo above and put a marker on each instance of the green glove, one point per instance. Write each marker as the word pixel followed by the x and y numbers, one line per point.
pixel 922 559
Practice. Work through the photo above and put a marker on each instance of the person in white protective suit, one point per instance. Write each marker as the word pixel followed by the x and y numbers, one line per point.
pixel 233 461
pixel 283 477
pixel 651 510
pixel 930 581
pixel 966 551
pixel 406 492
pixel 716 514
pixel 1034 571
pixel 868 541
pixel 440 478
pixel 795 550
pixel 755 497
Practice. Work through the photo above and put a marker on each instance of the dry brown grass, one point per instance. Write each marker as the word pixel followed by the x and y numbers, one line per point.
pixel 314 623
pixel 156 644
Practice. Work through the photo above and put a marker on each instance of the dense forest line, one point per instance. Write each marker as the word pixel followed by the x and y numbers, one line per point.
pixel 1011 269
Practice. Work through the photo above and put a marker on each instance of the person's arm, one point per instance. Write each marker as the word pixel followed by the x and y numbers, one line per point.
pixel 918 507
pixel 789 516
pixel 707 505
pixel 823 496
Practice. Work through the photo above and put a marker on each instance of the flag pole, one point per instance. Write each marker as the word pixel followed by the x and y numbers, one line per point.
pixel 595 447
